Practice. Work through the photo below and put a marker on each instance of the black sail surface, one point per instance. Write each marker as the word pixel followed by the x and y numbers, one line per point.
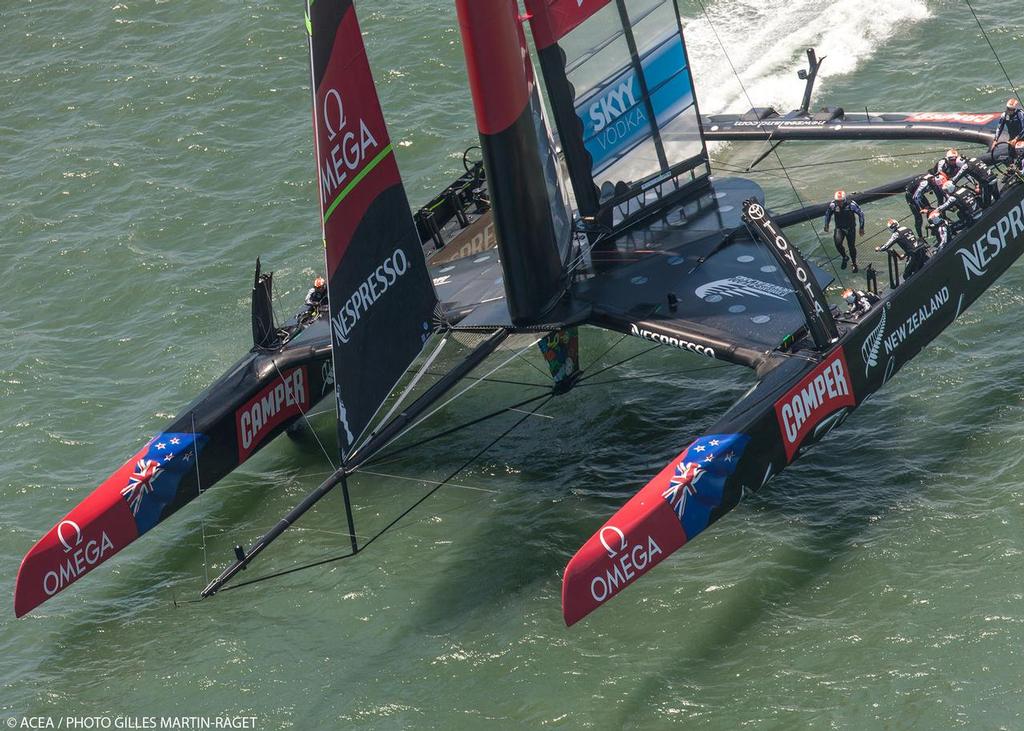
pixel 381 296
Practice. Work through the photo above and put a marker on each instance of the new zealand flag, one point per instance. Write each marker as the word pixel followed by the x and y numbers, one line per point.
pixel 158 472
pixel 697 486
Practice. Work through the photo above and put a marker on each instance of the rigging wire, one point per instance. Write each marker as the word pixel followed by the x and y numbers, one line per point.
pixel 309 424
pixel 199 486
pixel 403 514
pixel 994 53
pixel 662 374
pixel 778 157
pixel 603 355
pixel 506 381
pixel 871 158
pixel 466 389
pixel 447 481
pixel 412 384
pixel 621 362
pixel 391 456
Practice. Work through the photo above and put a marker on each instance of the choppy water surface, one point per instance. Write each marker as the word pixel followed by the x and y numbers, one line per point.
pixel 151 151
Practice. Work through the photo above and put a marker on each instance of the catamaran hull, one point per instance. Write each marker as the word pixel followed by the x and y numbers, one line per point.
pixel 257 399
pixel 795 405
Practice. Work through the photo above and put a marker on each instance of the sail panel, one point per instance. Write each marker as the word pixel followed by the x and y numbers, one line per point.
pixel 380 293
pixel 622 90
pixel 614 114
pixel 531 215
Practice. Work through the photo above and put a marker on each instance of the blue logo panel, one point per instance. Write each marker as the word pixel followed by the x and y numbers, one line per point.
pixel 614 116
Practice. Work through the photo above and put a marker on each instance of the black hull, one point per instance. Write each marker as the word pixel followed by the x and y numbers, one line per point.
pixel 795 404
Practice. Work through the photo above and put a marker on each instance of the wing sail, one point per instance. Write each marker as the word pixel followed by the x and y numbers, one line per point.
pixel 622 94
pixel 380 293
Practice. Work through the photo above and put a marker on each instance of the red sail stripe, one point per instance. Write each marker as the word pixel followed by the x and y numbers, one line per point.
pixel 553 19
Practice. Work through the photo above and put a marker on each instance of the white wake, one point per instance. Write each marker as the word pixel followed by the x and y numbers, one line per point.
pixel 766 39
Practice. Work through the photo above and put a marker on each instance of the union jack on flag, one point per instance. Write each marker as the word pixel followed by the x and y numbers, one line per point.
pixel 698 483
pixel 158 473
pixel 682 485
pixel 140 483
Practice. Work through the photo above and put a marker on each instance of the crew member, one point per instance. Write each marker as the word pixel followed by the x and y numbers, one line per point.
pixel 1012 122
pixel 1017 155
pixel 963 201
pixel 986 181
pixel 917 197
pixel 939 228
pixel 915 251
pixel 859 302
pixel 845 210
pixel 317 295
pixel 951 165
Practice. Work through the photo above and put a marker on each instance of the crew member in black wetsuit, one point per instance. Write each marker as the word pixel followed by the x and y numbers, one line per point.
pixel 917 191
pixel 963 201
pixel 986 181
pixel 1017 156
pixel 1012 122
pixel 317 295
pixel 915 251
pixel 939 228
pixel 859 302
pixel 952 165
pixel 846 212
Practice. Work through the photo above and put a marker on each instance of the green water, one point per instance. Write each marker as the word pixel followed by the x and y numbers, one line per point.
pixel 150 151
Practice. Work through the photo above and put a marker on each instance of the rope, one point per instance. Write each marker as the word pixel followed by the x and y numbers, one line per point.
pixel 998 60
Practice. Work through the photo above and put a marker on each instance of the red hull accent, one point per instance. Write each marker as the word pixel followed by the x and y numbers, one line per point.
pixel 98 527
pixel 638 537
pixel 356 164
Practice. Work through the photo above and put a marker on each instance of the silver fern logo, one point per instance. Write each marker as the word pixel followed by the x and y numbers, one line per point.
pixel 869 350
pixel 740 287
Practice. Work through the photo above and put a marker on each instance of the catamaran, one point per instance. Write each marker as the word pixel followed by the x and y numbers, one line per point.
pixel 611 218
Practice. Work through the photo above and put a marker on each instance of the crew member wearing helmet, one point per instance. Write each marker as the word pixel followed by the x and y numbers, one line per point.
pixel 1012 122
pixel 317 295
pixel 951 165
pixel 940 229
pixel 986 182
pixel 845 209
pixel 916 193
pixel 859 302
pixel 915 251
pixel 963 202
